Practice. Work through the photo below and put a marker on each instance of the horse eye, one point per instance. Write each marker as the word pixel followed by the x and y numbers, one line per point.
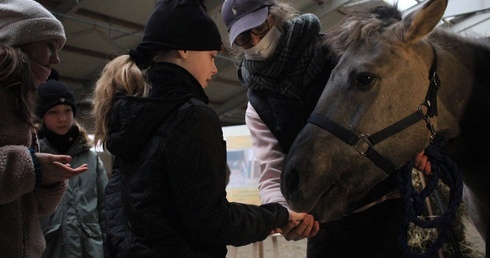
pixel 364 81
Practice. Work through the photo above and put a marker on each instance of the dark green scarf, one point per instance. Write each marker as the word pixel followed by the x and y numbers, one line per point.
pixel 61 143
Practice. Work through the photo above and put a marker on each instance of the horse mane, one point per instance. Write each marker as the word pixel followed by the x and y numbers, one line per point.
pixel 355 29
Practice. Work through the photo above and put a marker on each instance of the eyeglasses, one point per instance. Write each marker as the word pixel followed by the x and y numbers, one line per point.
pixel 244 37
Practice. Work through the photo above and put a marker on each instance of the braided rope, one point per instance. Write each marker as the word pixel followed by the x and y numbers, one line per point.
pixel 443 168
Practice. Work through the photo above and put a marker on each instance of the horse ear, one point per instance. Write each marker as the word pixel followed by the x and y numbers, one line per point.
pixel 421 22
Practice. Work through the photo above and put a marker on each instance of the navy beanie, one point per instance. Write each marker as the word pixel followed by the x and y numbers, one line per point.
pixel 178 25
pixel 54 93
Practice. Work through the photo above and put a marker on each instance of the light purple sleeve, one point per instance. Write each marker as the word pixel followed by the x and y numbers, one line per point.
pixel 269 156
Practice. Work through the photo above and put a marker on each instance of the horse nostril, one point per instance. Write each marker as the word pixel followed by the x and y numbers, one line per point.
pixel 290 182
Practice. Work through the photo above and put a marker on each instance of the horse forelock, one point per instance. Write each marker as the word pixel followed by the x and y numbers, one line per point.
pixel 360 26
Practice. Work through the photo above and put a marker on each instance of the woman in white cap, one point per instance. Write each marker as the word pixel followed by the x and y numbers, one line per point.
pixel 169 146
pixel 285 64
pixel 31 183
pixel 282 90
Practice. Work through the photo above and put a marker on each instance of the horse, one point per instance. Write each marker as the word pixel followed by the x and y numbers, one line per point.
pixel 392 70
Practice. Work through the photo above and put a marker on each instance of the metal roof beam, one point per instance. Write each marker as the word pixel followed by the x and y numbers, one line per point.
pixel 65 6
pixel 86 52
pixel 458 7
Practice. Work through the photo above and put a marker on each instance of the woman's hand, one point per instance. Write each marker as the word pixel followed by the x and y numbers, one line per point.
pixel 57 169
pixel 422 163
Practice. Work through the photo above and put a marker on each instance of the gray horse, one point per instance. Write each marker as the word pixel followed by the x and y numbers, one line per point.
pixel 382 77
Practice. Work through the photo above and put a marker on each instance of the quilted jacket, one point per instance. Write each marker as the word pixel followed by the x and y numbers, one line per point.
pixel 171 157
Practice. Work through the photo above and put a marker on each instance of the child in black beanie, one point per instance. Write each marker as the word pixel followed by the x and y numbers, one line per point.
pixel 167 195
pixel 77 227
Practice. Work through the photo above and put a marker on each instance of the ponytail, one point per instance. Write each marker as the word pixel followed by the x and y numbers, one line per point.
pixel 120 77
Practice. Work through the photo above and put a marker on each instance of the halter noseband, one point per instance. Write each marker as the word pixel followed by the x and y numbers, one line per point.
pixel 364 143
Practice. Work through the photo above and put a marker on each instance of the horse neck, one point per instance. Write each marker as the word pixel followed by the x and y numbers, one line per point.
pixel 463 68
pixel 464 94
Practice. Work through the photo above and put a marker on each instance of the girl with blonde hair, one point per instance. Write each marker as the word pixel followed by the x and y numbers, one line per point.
pixel 170 156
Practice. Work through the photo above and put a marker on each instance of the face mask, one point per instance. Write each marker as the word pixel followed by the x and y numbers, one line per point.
pixel 41 73
pixel 266 46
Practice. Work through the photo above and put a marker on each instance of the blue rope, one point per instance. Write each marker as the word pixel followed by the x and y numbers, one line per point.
pixel 443 168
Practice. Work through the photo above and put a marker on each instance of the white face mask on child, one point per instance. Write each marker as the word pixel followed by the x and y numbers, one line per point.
pixel 266 46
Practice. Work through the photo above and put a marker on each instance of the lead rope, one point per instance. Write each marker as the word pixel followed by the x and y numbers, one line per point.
pixel 444 168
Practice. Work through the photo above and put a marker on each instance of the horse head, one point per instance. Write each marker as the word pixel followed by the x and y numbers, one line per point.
pixel 382 77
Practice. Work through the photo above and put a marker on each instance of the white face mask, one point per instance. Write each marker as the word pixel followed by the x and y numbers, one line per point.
pixel 266 46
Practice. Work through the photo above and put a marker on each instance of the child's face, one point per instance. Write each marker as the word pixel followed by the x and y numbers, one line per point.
pixel 201 65
pixel 59 119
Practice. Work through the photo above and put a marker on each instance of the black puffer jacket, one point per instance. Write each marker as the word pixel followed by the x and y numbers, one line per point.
pixel 172 157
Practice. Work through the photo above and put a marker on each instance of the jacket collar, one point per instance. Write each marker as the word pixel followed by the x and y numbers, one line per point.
pixel 170 80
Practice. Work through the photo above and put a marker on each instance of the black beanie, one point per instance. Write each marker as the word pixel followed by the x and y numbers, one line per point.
pixel 178 25
pixel 54 93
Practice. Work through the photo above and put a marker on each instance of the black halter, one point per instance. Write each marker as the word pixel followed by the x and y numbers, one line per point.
pixel 364 143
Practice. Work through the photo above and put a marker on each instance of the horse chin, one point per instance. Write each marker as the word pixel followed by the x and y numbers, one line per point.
pixel 326 216
pixel 339 198
pixel 328 206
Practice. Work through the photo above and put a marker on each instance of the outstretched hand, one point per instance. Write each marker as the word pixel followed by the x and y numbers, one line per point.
pixel 57 169
pixel 300 226
pixel 422 163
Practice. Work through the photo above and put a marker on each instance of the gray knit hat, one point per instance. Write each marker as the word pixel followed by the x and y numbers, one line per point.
pixel 27 21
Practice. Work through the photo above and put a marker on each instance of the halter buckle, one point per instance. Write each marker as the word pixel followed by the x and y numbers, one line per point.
pixel 363 144
pixel 427 117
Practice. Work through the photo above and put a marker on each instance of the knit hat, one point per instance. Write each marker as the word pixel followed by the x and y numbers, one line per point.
pixel 53 93
pixel 243 15
pixel 27 21
pixel 178 25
